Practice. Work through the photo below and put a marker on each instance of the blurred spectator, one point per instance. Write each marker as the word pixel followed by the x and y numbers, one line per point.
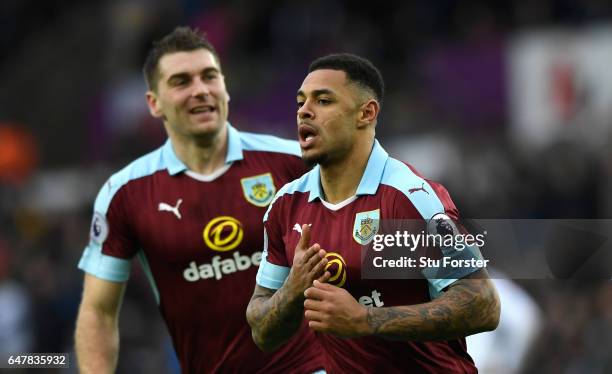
pixel 503 351
pixel 18 154
pixel 16 327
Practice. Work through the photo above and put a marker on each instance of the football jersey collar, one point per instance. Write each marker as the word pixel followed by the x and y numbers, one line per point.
pixel 370 180
pixel 173 164
pixel 234 152
pixel 234 145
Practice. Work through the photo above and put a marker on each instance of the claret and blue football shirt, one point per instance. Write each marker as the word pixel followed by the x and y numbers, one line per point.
pixel 389 189
pixel 199 239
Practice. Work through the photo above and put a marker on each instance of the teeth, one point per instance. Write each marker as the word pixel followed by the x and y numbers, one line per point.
pixel 309 137
pixel 201 109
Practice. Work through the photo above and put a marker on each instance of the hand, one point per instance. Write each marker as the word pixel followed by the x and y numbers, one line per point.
pixel 308 265
pixel 333 310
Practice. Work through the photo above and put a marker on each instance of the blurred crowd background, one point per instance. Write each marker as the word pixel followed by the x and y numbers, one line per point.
pixel 508 104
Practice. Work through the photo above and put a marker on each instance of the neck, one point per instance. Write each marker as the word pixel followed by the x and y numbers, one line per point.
pixel 202 155
pixel 340 179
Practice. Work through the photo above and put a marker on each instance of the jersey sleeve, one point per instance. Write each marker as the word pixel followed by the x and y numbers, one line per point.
pixel 459 251
pixel 111 246
pixel 432 205
pixel 274 267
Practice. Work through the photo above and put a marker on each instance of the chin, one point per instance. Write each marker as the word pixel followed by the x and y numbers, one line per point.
pixel 312 159
pixel 208 127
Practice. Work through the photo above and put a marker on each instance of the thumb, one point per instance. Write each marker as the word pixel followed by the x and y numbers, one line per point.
pixel 304 242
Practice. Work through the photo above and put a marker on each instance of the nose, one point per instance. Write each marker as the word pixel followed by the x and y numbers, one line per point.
pixel 305 112
pixel 200 88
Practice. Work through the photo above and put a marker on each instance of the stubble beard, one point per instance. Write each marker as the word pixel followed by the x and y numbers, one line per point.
pixel 321 158
pixel 329 157
pixel 315 160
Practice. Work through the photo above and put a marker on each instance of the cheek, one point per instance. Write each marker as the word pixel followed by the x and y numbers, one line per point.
pixel 336 126
pixel 169 100
pixel 225 97
pixel 218 90
pixel 339 134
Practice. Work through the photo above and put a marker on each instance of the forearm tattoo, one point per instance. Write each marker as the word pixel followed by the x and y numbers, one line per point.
pixel 273 317
pixel 467 307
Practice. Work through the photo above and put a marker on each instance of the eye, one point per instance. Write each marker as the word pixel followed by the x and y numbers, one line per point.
pixel 324 101
pixel 211 76
pixel 300 104
pixel 178 82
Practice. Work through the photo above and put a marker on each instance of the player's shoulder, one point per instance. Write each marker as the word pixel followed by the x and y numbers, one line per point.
pixel 301 184
pixel 427 196
pixel 143 166
pixel 269 143
pixel 402 177
pixel 290 190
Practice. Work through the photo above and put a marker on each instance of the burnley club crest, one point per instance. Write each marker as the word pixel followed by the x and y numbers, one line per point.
pixel 259 189
pixel 366 226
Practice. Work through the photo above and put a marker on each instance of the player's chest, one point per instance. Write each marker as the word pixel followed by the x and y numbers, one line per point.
pixel 345 235
pixel 341 233
pixel 194 220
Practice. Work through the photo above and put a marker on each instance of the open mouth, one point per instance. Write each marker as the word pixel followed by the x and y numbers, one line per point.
pixel 306 135
pixel 202 109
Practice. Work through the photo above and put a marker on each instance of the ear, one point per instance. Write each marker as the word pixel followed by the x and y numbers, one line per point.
pixel 227 95
pixel 153 103
pixel 368 113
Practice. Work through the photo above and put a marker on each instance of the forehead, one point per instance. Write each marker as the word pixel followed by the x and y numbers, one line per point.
pixel 325 79
pixel 191 61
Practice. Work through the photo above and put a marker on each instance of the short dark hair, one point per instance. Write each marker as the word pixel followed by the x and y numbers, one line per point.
pixel 358 70
pixel 182 39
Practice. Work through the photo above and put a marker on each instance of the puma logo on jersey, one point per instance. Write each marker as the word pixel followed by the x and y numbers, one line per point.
pixel 164 207
pixel 297 227
pixel 422 188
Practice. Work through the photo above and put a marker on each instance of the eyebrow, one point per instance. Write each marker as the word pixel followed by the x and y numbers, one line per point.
pixel 185 75
pixel 315 93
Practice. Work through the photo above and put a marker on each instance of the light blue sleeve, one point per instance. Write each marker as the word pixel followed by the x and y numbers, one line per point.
pixel 439 280
pixel 93 261
pixel 270 275
pixel 104 267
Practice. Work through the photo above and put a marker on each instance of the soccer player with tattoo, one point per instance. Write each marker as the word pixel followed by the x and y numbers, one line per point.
pixel 191 211
pixel 364 325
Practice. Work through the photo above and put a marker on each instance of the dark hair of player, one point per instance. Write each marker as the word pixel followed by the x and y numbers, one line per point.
pixel 358 70
pixel 182 39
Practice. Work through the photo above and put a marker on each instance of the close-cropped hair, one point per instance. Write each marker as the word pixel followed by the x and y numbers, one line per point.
pixel 358 70
pixel 182 39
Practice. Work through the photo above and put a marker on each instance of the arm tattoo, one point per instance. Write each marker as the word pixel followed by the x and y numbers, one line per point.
pixel 274 317
pixel 469 306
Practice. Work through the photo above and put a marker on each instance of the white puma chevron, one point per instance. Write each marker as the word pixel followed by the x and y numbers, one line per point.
pixel 164 207
pixel 297 227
